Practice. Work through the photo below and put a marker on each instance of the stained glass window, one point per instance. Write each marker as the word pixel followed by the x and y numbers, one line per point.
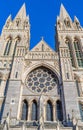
pixel 59 110
pixel 79 55
pixel 24 110
pixel 70 50
pixel 49 111
pixel 7 49
pixel 34 110
pixel 81 109
pixel 41 79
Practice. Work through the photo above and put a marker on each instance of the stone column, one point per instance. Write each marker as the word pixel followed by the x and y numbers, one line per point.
pixel 41 113
pixel 54 112
pixel 44 112
pixel 20 104
pixel 29 112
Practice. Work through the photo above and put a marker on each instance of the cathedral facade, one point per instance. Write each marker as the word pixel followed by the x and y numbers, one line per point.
pixel 41 88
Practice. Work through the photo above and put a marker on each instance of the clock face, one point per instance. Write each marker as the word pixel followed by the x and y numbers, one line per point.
pixel 41 80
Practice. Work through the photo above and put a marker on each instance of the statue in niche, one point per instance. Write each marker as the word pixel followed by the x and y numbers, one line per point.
pixel 67 22
pixel 8 118
pixel 59 24
pixel 7 122
pixel 7 23
pixel 74 120
pixel 78 25
pixel 17 22
pixel 25 24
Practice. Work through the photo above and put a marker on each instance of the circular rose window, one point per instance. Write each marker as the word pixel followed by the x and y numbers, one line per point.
pixel 41 80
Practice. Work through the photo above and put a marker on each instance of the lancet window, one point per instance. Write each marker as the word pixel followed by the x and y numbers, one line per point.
pixel 78 53
pixel 8 45
pixel 59 110
pixel 49 111
pixel 34 110
pixel 24 110
pixel 70 50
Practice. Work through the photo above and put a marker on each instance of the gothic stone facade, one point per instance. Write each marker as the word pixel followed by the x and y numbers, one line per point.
pixel 41 88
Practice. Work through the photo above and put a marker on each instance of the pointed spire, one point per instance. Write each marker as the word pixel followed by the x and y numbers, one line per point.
pixel 57 19
pixel 9 18
pixel 77 23
pixel 28 17
pixel 76 19
pixel 63 13
pixel 8 22
pixel 22 12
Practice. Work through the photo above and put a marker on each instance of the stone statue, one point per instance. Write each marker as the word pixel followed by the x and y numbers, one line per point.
pixel 67 22
pixel 8 119
pixel 7 122
pixel 24 127
pixel 5 126
pixel 58 125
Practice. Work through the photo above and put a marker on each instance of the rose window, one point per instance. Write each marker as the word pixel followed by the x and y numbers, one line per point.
pixel 41 80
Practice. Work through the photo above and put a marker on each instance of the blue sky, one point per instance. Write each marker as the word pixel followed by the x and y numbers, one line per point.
pixel 42 14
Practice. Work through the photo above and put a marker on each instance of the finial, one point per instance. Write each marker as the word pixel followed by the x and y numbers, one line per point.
pixel 42 38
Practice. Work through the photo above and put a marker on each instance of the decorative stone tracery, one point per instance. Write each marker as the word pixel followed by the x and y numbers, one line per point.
pixel 41 80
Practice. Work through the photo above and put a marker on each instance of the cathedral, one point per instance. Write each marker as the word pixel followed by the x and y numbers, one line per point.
pixel 41 88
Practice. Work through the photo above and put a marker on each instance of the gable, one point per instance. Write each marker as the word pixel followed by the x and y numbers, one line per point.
pixel 42 46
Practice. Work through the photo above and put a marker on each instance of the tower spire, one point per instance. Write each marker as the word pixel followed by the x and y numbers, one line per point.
pixel 22 12
pixel 63 13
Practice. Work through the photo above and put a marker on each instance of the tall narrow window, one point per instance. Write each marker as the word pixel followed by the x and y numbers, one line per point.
pixel 70 50
pixel 78 53
pixel 24 110
pixel 34 110
pixel 49 111
pixel 78 88
pixel 59 110
pixel 42 47
pixel 81 109
pixel 7 49
pixel 15 48
pixel 0 81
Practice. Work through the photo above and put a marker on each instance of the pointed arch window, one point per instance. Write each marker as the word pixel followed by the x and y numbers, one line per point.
pixel 70 50
pixel 34 110
pixel 16 42
pixel 81 109
pixel 8 45
pixel 59 110
pixel 78 53
pixel 24 110
pixel 49 111
pixel 15 48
